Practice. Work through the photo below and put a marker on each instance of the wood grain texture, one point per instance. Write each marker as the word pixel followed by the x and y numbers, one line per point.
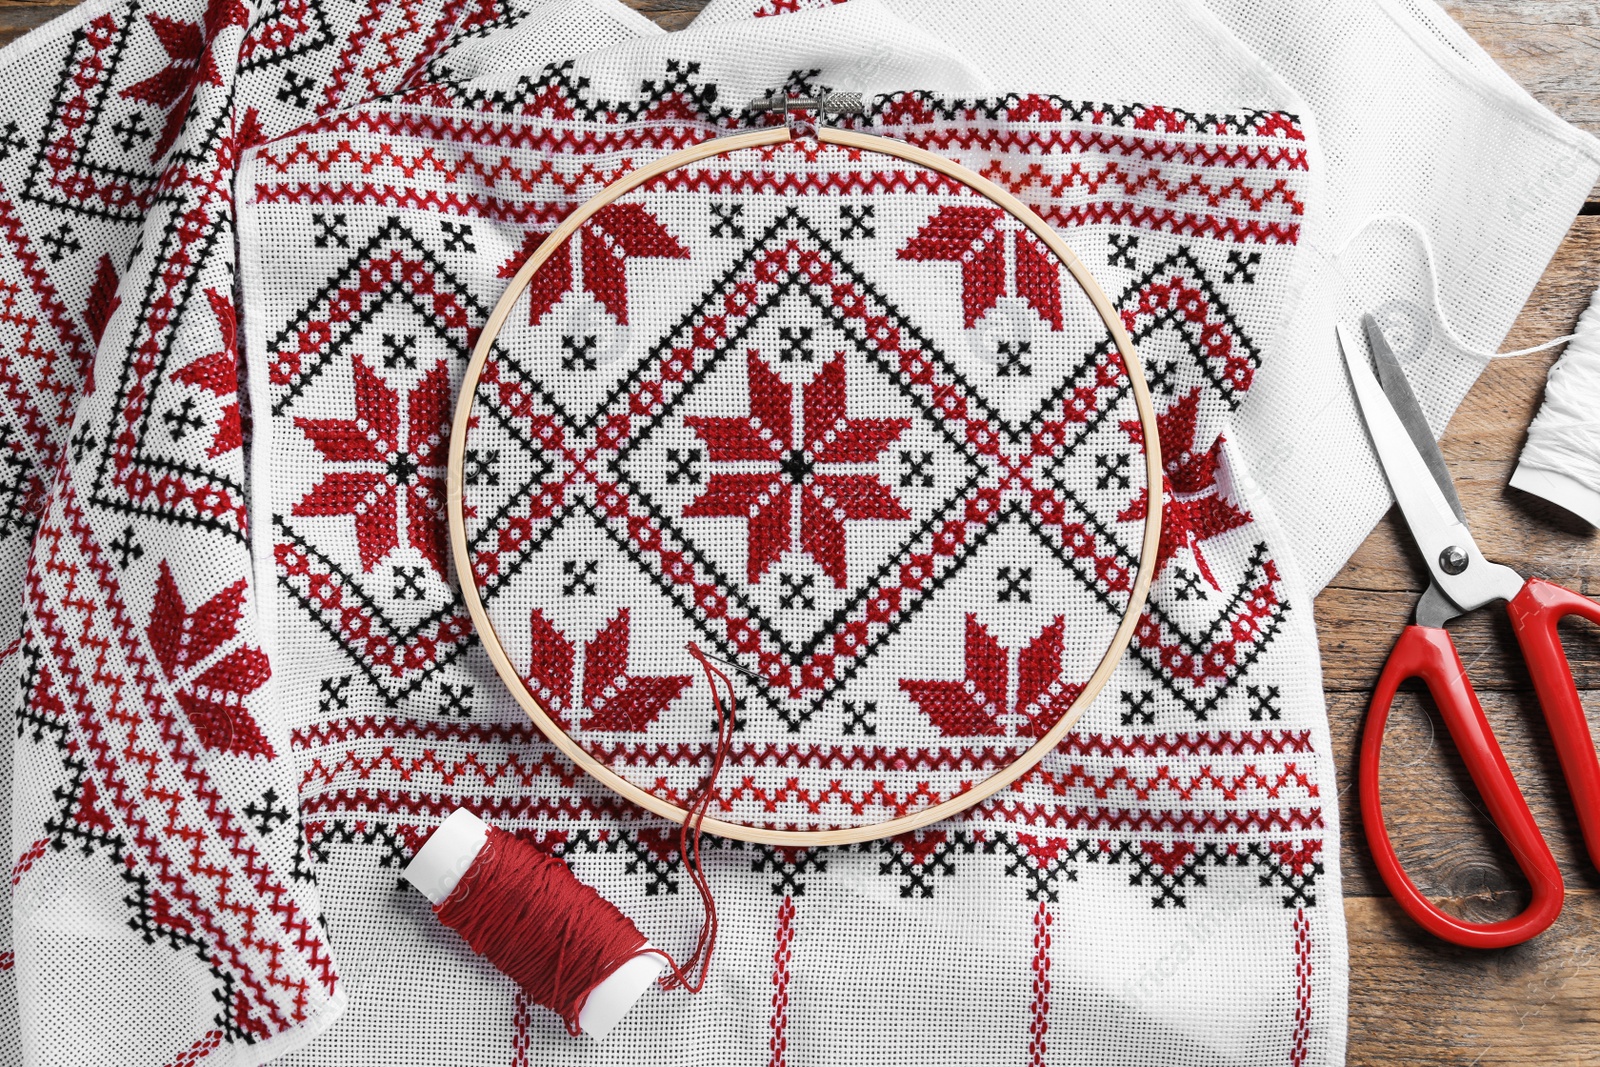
pixel 1551 47
pixel 1413 1000
pixel 670 14
pixel 17 17
pixel 1417 1003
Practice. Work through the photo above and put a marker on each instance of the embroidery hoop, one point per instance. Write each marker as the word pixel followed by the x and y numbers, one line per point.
pixel 775 135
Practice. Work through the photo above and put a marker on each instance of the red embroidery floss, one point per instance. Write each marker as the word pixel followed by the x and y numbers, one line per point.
pixel 566 946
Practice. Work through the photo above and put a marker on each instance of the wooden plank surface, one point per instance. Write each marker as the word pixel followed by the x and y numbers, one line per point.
pixel 17 17
pixel 1414 1001
pixel 1551 47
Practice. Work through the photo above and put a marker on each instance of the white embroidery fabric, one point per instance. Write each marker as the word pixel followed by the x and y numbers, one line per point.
pixel 246 687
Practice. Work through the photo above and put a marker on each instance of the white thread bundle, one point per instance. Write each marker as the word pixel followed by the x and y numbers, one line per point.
pixel 1561 461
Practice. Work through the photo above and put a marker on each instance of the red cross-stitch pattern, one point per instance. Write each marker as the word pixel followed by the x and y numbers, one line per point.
pixel 245 695
pixel 142 778
pixel 118 237
pixel 384 466
pixel 1193 511
pixel 785 452
pixel 981 702
pixel 779 1023
pixel 190 63
pixel 1039 1027
pixel 976 238
pixel 617 233
pixel 612 698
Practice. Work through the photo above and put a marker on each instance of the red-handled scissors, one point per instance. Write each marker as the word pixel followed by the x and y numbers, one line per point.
pixel 1463 581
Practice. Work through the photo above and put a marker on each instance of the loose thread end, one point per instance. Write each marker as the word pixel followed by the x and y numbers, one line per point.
pixel 524 910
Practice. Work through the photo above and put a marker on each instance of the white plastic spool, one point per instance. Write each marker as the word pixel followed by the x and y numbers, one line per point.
pixel 437 869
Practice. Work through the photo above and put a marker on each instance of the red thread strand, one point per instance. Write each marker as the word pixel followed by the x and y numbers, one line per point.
pixel 525 912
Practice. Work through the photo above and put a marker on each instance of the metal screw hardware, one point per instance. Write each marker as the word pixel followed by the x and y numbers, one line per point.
pixel 828 105
pixel 1453 560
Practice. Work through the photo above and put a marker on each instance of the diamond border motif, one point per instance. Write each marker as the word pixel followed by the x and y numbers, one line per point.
pixel 791 255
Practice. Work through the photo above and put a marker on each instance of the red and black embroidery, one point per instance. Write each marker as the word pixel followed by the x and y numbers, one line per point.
pixel 971 498
pixel 579 440
pixel 796 460
pixel 386 466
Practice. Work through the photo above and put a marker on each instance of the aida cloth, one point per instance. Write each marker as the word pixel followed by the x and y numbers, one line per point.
pixel 246 250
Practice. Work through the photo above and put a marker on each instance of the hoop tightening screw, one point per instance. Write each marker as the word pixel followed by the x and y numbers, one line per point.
pixel 828 105
pixel 1454 560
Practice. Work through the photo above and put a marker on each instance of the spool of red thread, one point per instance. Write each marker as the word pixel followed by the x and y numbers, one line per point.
pixel 450 868
pixel 568 947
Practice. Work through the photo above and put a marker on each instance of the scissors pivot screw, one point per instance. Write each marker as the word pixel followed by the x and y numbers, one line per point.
pixel 1453 560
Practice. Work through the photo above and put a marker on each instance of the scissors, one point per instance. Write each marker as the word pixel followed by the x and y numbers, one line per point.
pixel 1463 581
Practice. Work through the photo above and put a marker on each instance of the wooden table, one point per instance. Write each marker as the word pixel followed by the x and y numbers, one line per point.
pixel 1414 1000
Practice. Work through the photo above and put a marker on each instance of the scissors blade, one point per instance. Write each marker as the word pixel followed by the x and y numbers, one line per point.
pixel 1435 526
pixel 1405 405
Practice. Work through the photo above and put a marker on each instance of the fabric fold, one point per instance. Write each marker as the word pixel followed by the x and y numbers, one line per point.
pixel 244 251
pixel 1080 908
pixel 158 872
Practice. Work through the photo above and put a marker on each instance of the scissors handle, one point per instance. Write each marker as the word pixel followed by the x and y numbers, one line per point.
pixel 1427 653
pixel 1535 612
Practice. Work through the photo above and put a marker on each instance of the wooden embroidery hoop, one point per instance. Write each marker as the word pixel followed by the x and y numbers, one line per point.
pixel 774 135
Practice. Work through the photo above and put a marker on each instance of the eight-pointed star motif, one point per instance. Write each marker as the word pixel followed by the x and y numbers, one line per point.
pixel 384 462
pixel 781 463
